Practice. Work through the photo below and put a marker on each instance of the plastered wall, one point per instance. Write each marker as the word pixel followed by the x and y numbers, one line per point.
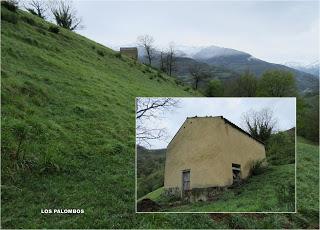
pixel 208 147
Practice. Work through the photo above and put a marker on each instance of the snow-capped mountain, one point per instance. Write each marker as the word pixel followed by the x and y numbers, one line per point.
pixel 216 51
pixel 312 68
pixel 188 51
pixel 206 52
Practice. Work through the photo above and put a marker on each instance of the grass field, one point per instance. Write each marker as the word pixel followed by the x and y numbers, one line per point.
pixel 68 136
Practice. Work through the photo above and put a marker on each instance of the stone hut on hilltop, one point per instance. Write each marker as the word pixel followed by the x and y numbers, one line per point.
pixel 131 52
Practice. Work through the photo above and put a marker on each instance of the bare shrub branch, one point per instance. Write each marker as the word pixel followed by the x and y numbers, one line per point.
pixel 65 15
pixel 168 59
pixel 146 41
pixel 37 7
pixel 260 124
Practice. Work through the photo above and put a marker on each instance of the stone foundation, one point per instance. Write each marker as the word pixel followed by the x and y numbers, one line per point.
pixel 203 194
pixel 196 194
pixel 175 191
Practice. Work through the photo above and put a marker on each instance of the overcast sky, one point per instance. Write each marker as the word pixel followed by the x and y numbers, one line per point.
pixel 275 31
pixel 284 111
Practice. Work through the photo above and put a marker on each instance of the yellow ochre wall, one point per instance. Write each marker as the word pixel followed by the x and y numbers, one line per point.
pixel 208 146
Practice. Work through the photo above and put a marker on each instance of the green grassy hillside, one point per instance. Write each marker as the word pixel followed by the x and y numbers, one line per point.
pixel 68 126
pixel 68 136
pixel 154 195
pixel 247 198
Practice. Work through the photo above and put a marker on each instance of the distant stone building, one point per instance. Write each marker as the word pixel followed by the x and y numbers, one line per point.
pixel 209 152
pixel 131 52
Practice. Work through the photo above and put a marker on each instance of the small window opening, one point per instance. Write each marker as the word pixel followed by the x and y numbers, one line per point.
pixel 236 173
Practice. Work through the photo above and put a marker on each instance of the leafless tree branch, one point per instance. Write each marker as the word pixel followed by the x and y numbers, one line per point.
pixel 37 7
pixel 260 124
pixel 147 106
pixel 148 109
pixel 197 73
pixel 146 41
pixel 65 15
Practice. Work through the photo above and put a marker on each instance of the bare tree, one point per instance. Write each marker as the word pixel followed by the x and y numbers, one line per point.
pixel 171 58
pixel 146 41
pixel 148 109
pixel 168 59
pixel 197 73
pixel 37 7
pixel 65 15
pixel 163 65
pixel 260 124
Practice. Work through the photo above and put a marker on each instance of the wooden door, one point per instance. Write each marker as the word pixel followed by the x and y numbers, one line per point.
pixel 186 180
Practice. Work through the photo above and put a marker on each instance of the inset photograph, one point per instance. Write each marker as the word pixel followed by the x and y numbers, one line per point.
pixel 216 155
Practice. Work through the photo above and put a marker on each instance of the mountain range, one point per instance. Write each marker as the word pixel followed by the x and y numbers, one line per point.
pixel 312 68
pixel 228 64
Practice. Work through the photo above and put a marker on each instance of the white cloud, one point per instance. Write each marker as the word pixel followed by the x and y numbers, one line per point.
pixel 275 31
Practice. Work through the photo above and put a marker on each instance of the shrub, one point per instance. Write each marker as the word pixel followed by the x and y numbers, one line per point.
pixel 54 29
pixel 9 17
pixel 215 88
pixel 308 110
pixel 147 70
pixel 65 15
pixel 257 167
pixel 281 149
pixel 28 20
pixel 11 5
pixel 118 55
pixel 100 53
pixel 159 75
pixel 187 88
pixel 178 81
pixel 277 83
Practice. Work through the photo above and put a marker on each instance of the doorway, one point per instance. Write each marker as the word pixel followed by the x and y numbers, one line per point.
pixel 186 180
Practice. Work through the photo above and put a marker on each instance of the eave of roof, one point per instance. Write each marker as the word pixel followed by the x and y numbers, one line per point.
pixel 241 130
pixel 233 125
pixel 128 48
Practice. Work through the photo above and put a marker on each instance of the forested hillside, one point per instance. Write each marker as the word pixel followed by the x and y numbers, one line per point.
pixel 150 169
